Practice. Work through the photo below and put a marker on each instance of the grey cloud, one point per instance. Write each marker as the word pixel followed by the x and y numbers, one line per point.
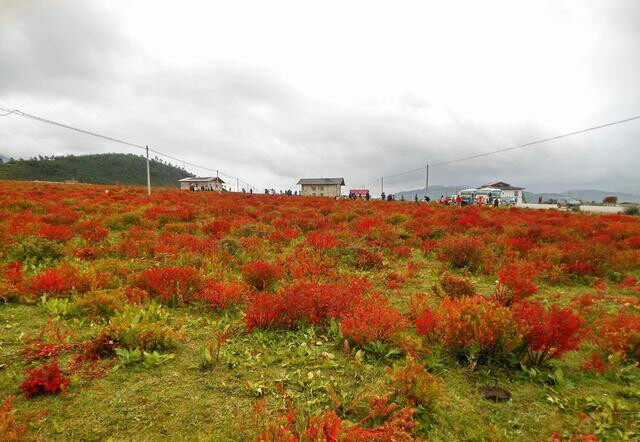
pixel 249 120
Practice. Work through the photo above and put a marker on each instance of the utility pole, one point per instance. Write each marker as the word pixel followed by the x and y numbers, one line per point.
pixel 382 185
pixel 237 184
pixel 148 174
pixel 426 183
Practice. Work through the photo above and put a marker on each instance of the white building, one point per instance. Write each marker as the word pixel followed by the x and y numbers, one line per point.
pixel 331 187
pixel 508 191
pixel 202 183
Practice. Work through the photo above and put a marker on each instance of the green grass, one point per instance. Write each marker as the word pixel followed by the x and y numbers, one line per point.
pixel 179 401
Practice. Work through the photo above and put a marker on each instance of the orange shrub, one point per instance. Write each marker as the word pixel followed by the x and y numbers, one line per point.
pixel 372 320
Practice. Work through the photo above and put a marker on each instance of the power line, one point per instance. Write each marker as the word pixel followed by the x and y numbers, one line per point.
pixel 507 149
pixel 116 140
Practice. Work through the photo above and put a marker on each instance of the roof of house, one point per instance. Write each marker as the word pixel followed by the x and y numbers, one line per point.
pixel 321 181
pixel 201 179
pixel 501 185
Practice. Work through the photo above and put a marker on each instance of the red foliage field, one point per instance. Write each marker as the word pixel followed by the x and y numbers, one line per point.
pixel 480 285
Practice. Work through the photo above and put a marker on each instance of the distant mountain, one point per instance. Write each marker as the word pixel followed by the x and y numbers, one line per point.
pixel 110 168
pixel 3 158
pixel 585 195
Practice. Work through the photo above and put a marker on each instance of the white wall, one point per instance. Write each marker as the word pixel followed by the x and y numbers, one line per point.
pixel 601 209
pixel 537 206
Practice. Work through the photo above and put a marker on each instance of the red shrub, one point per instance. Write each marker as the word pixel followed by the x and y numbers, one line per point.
pixel 217 228
pixel 13 272
pixel 261 275
pixel 172 285
pixel 402 251
pixel 456 287
pixel 372 320
pixel 322 240
pixel 56 233
pixel 9 427
pixel 461 251
pixel 368 259
pixel 471 328
pixel 92 230
pixel 46 379
pixel 518 277
pixel 304 302
pixel 220 295
pixel 58 281
pixel 548 333
pixel 620 334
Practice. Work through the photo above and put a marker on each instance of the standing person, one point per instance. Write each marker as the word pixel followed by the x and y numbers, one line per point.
pixel 383 196
pixel 415 197
pixel 459 200
pixel 540 199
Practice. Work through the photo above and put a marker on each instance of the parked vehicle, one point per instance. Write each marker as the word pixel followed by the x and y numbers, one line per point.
pixel 568 203
pixel 468 196
pixel 489 194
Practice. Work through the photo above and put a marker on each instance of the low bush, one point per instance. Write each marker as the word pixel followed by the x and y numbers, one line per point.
pixel 101 303
pixel 10 429
pixel 518 279
pixel 371 320
pixel 472 329
pixel 461 251
pixel 144 328
pixel 220 295
pixel 58 281
pixel 301 303
pixel 44 380
pixel 415 384
pixel 261 275
pixel 456 287
pixel 549 334
pixel 619 334
pixel 173 285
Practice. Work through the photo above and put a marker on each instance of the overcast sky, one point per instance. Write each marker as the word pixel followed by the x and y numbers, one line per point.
pixel 277 90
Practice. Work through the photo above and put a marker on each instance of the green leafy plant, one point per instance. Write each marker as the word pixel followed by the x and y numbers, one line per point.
pixel 127 357
pixel 153 359
pixel 58 307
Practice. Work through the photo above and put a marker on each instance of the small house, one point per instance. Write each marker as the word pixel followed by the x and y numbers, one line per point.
pixel 202 183
pixel 358 193
pixel 508 191
pixel 331 187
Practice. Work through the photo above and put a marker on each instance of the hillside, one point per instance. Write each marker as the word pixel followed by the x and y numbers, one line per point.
pixel 110 168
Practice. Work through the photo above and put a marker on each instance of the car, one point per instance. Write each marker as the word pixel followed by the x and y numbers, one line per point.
pixel 568 203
